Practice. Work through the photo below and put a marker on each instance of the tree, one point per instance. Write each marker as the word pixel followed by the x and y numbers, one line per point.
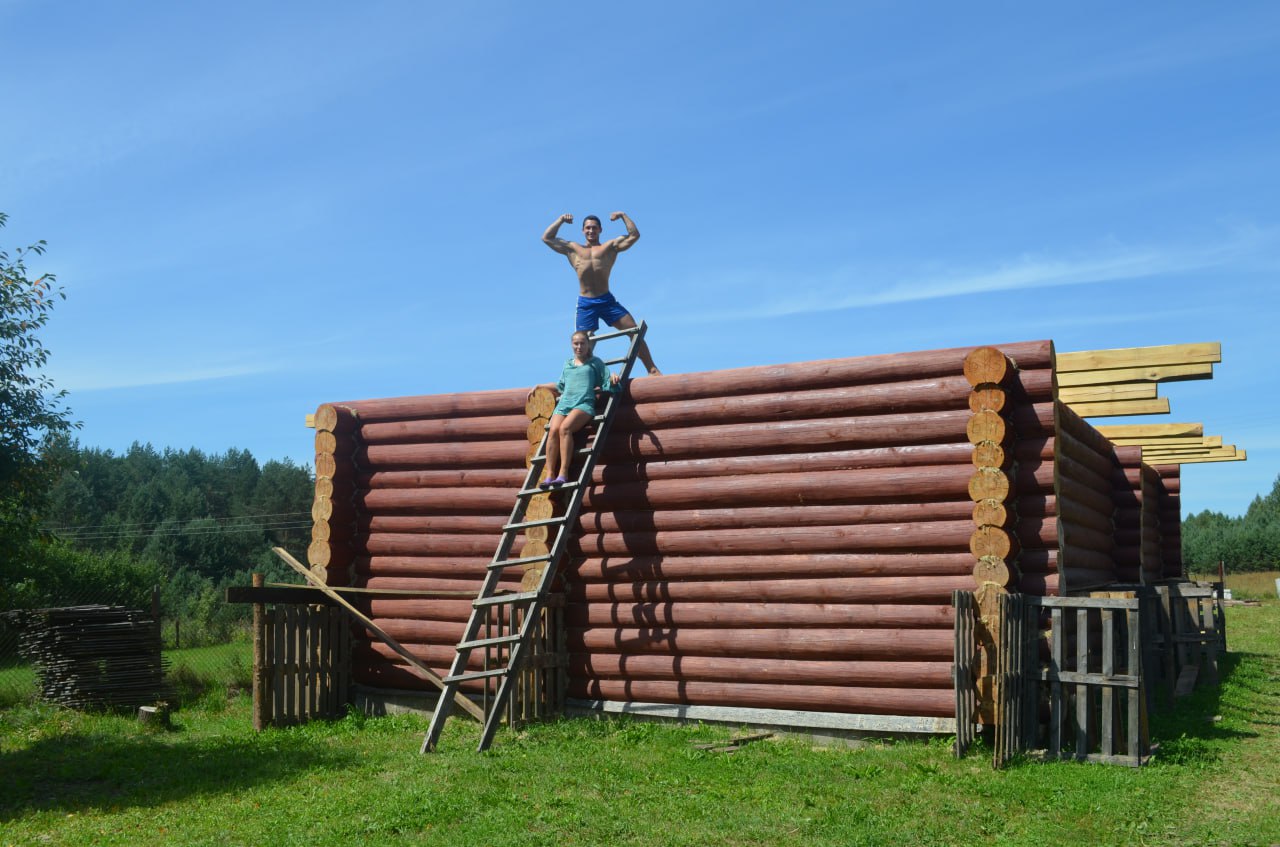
pixel 31 411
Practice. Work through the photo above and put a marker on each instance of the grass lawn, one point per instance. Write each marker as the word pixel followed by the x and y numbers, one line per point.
pixel 67 778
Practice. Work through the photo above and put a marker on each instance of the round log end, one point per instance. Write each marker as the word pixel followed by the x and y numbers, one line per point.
pixel 319 554
pixel 986 426
pixel 988 454
pixel 990 542
pixel 987 398
pixel 993 570
pixel 540 507
pixel 537 429
pixel 326 466
pixel 321 509
pixel 990 513
pixel 541 403
pixel 326 417
pixel 533 548
pixel 988 484
pixel 985 364
pixel 532 576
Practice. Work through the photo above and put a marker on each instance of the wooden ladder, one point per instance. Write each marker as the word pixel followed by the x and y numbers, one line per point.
pixel 490 597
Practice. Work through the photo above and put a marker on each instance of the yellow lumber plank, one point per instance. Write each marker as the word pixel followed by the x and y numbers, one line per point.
pixel 311 421
pixel 1160 373
pixel 1158 406
pixel 1189 441
pixel 1160 430
pixel 1226 452
pixel 1140 357
pixel 1238 457
pixel 1108 392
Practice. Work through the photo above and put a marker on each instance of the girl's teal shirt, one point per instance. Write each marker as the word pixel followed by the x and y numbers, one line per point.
pixel 578 384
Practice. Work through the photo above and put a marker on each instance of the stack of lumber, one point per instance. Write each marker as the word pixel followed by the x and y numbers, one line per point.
pixel 1125 381
pixel 94 657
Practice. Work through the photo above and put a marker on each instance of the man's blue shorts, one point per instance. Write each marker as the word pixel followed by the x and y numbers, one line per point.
pixel 592 309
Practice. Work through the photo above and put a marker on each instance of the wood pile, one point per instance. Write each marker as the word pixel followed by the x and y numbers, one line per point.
pixel 94 657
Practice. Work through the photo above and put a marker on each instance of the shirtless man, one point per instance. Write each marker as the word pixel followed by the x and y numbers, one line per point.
pixel 592 262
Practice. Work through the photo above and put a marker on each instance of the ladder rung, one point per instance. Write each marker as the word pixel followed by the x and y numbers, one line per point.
pixel 618 333
pixel 615 361
pixel 511 563
pixel 466 677
pixel 487 642
pixel 505 599
pixel 526 524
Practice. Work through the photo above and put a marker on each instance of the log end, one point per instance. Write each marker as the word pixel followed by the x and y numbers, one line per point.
pixel 986 365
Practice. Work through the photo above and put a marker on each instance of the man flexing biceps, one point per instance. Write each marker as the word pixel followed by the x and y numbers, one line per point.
pixel 593 262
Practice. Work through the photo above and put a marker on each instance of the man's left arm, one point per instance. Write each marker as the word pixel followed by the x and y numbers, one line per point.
pixel 624 242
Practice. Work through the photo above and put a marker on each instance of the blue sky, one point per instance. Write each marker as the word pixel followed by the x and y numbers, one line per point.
pixel 256 208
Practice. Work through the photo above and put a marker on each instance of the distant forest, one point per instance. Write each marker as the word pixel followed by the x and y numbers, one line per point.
pixel 1250 542
pixel 114 526
pixel 191 523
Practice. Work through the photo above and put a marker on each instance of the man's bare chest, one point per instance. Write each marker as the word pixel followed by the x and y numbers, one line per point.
pixel 593 260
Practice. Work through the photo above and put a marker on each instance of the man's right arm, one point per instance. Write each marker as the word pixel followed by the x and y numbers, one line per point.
pixel 552 240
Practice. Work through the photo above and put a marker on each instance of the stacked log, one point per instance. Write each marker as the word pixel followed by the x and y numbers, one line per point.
pixel 1170 521
pixel 1152 556
pixel 782 537
pixel 1011 441
pixel 1084 488
pixel 333 514
pixel 433 480
pixel 779 537
pixel 1132 514
pixel 538 540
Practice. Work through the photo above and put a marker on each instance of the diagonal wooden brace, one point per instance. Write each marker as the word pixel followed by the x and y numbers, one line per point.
pixel 414 665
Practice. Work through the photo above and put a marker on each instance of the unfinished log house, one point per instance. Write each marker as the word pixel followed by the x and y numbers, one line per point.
pixel 775 543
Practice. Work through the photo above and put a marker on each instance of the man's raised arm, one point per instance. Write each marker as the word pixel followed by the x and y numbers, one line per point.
pixel 622 242
pixel 552 240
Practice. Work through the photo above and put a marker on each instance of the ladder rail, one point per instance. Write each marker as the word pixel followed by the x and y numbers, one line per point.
pixel 501 560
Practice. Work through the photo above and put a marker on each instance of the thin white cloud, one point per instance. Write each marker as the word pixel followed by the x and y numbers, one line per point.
pixel 98 378
pixel 850 288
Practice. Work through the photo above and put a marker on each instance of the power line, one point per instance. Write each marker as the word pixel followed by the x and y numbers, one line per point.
pixel 159 523
pixel 187 531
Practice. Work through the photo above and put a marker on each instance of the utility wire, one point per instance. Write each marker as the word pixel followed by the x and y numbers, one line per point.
pixel 221 530
pixel 158 523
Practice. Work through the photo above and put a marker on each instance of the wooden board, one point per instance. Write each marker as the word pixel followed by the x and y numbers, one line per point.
pixel 1160 373
pixel 1140 357
pixel 1158 406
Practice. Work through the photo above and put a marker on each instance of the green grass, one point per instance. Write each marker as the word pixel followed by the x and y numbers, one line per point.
pixel 67 778
pixel 194 673
pixel 1254 585
pixel 17 683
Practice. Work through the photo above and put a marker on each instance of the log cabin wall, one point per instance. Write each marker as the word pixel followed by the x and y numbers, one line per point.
pixel 1151 556
pixel 779 537
pixel 1133 514
pixel 1085 487
pixel 1171 521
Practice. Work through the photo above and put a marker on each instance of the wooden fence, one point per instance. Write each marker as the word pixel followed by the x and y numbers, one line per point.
pixel 538 689
pixel 1091 679
pixel 302 661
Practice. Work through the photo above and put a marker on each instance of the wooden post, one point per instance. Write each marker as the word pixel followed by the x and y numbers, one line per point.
pixel 259 663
